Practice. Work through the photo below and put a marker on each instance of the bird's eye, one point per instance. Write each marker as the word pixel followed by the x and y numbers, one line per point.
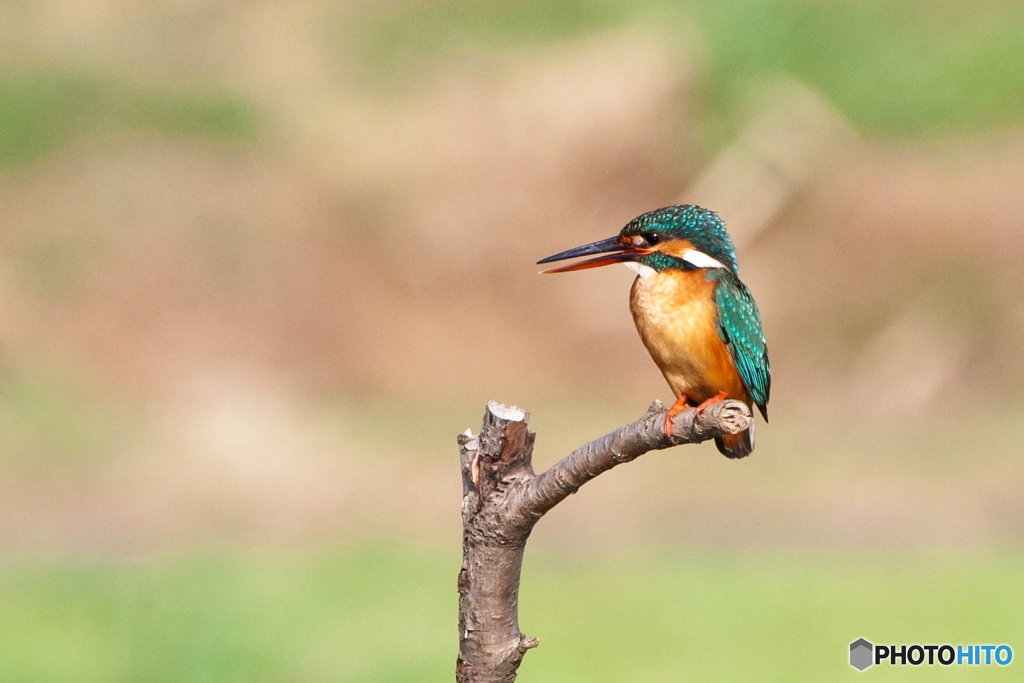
pixel 652 238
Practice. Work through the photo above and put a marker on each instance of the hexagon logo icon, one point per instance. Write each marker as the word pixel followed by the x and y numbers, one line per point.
pixel 861 654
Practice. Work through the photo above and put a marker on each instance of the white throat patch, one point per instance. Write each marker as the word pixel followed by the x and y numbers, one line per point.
pixel 701 260
pixel 641 269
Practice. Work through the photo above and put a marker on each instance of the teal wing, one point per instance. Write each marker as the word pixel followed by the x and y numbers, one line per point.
pixel 739 324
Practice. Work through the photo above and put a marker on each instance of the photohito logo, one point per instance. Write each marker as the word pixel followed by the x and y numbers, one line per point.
pixel 864 654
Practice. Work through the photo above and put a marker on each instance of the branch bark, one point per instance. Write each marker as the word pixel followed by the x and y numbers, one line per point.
pixel 502 499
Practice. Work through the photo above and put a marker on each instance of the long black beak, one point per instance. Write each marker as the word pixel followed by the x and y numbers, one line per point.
pixel 612 244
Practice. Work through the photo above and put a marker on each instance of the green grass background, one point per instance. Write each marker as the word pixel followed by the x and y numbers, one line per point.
pixel 45 106
pixel 386 611
pixel 895 68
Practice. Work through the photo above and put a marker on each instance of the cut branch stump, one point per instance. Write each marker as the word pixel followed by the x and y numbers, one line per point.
pixel 502 499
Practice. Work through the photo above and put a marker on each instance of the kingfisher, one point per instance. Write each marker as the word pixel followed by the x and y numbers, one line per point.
pixel 695 316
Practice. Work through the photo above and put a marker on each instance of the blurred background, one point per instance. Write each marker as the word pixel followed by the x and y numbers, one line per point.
pixel 261 262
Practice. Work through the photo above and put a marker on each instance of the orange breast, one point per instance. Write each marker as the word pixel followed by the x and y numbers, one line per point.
pixel 676 316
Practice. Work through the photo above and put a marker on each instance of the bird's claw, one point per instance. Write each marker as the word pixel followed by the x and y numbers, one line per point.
pixel 681 404
pixel 677 407
pixel 717 398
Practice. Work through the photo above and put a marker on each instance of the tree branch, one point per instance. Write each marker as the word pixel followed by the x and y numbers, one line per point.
pixel 502 499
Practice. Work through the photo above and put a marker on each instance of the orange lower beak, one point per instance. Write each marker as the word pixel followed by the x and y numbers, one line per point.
pixel 621 254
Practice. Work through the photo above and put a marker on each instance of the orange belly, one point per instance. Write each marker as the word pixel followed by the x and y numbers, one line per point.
pixel 677 319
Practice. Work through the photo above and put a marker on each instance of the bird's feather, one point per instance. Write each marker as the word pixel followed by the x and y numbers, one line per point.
pixel 739 324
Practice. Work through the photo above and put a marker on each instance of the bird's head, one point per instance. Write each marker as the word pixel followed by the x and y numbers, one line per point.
pixel 683 237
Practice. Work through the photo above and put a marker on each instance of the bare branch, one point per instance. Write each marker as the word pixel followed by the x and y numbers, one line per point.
pixel 502 499
pixel 629 443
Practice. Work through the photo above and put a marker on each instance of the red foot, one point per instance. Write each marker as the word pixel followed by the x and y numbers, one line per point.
pixel 677 407
pixel 717 398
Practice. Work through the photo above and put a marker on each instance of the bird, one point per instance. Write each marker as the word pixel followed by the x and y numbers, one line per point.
pixel 695 316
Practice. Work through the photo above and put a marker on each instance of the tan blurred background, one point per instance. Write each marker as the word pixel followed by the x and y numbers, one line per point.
pixel 260 262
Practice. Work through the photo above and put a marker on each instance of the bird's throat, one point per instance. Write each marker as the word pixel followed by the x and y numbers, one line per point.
pixel 641 269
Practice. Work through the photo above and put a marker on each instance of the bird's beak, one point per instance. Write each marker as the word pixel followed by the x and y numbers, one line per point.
pixel 620 253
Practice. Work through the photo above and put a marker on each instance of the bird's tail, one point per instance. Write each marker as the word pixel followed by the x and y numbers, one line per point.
pixel 736 445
